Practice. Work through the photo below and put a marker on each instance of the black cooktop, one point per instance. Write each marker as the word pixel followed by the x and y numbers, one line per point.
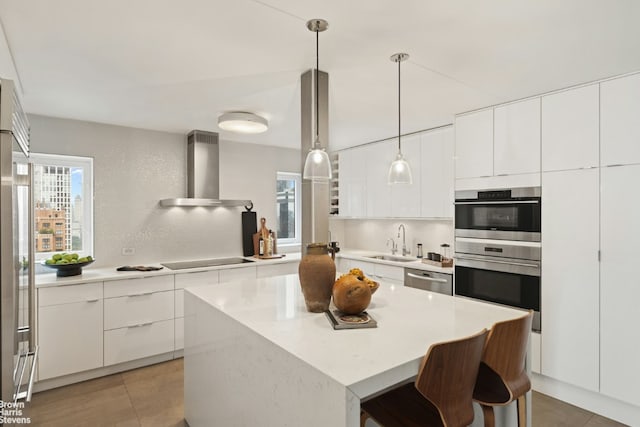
pixel 181 265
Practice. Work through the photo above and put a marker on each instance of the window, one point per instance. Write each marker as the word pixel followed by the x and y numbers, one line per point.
pixel 63 192
pixel 288 202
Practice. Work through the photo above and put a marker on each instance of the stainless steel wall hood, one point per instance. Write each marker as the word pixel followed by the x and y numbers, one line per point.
pixel 203 177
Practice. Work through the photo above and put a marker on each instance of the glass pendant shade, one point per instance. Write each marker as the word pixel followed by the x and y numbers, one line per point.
pixel 400 171
pixel 317 166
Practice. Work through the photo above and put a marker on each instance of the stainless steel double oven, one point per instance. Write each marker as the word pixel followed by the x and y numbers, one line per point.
pixel 498 248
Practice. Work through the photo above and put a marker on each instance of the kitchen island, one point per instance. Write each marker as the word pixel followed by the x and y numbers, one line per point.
pixel 255 357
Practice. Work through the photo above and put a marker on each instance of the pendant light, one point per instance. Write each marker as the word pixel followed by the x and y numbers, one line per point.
pixel 317 166
pixel 400 171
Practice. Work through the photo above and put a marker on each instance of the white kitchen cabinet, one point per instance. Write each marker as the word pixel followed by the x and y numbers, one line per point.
pixel 138 341
pixel 197 278
pixel 570 285
pixel 535 350
pixel 474 144
pixel 620 121
pixel 406 198
pixel 69 329
pixel 570 129
pixel 232 274
pixel 138 318
pixel 352 183
pixel 378 158
pixel 517 138
pixel 279 269
pixel 436 152
pixel 179 333
pixel 619 287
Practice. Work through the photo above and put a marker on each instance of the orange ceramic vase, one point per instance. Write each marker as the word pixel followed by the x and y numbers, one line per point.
pixel 317 273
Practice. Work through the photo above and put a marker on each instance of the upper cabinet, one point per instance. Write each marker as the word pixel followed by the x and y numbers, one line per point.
pixel 570 131
pixel 437 174
pixel 620 121
pixel 474 144
pixel 499 147
pixel 405 198
pixel 516 143
pixel 365 193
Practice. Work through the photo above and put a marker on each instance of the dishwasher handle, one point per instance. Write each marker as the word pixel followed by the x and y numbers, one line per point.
pixel 427 278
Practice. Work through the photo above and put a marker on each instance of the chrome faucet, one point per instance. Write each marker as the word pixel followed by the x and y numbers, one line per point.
pixel 404 244
pixel 394 247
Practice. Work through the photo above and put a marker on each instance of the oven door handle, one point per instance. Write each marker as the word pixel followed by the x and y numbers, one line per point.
pixel 519 264
pixel 499 202
pixel 428 279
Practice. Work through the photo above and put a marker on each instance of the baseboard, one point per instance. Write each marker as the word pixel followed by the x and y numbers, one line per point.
pixel 104 371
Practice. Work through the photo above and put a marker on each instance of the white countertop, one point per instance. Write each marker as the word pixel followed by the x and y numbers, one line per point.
pixel 412 262
pixel 364 360
pixel 90 275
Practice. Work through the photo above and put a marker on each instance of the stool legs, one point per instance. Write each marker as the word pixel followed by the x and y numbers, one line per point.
pixel 490 419
pixel 522 416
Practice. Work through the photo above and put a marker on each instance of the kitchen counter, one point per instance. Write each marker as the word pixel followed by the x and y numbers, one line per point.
pixel 255 356
pixel 412 262
pixel 90 275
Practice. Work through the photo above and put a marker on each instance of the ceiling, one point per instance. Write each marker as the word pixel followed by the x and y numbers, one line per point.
pixel 176 66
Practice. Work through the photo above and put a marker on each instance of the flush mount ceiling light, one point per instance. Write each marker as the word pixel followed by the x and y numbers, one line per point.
pixel 317 166
pixel 400 171
pixel 242 122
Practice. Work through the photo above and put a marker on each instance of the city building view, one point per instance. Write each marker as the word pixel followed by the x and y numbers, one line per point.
pixel 58 211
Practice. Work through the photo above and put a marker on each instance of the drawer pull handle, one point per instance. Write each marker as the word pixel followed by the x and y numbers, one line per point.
pixel 140 295
pixel 139 325
pixel 93 300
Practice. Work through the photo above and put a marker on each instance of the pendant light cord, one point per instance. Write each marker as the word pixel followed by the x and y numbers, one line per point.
pixel 399 134
pixel 317 90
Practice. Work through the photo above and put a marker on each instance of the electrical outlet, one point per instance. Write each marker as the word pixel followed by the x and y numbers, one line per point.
pixel 128 251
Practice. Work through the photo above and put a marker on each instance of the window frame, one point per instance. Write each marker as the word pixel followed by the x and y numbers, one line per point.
pixel 88 226
pixel 297 178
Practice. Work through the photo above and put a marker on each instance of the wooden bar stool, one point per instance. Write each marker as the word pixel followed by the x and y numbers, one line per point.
pixel 502 377
pixel 442 393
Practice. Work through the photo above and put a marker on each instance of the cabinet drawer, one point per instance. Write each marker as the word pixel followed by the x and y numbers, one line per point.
pixel 119 288
pixel 389 272
pixel 137 310
pixel 124 344
pixel 277 269
pixel 197 278
pixel 69 294
pixel 179 333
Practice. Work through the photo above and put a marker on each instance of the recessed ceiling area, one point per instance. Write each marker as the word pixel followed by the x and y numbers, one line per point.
pixel 177 66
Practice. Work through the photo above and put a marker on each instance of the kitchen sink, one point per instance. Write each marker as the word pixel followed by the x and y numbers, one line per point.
pixel 391 258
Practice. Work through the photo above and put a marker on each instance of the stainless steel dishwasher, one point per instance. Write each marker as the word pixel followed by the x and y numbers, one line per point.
pixel 429 281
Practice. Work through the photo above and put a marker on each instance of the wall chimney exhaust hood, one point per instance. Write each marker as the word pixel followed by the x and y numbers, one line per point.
pixel 203 175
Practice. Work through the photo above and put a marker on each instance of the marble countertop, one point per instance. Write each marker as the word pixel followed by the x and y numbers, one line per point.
pixel 90 275
pixel 411 262
pixel 365 360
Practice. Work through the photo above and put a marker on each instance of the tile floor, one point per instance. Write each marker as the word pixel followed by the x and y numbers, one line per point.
pixel 153 396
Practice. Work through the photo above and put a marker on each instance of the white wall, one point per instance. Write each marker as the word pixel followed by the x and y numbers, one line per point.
pixel 372 234
pixel 135 168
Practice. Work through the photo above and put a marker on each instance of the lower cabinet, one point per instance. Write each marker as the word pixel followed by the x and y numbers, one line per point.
pixel 570 288
pixel 278 269
pixel 138 318
pixel 379 272
pixel 69 329
pixel 138 341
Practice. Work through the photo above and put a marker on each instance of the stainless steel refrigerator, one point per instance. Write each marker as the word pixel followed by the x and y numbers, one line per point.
pixel 18 352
